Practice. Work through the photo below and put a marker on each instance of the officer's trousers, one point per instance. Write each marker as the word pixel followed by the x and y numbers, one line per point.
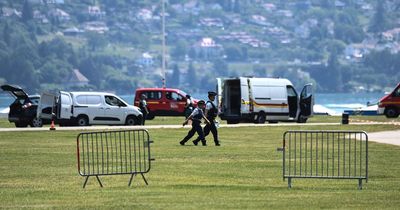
pixel 211 127
pixel 196 127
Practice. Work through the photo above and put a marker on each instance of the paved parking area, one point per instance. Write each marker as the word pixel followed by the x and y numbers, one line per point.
pixel 386 137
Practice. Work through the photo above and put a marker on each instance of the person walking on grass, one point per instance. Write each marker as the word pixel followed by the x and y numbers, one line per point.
pixel 143 107
pixel 196 117
pixel 211 113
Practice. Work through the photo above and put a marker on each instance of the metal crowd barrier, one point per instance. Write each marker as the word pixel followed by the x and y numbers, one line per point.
pixel 325 155
pixel 114 153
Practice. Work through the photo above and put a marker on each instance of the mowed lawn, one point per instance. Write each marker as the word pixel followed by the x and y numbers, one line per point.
pixel 38 170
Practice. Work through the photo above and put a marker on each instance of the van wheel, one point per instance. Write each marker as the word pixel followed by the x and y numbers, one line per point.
pixel 82 121
pixel 391 112
pixel 261 118
pixel 37 122
pixel 131 121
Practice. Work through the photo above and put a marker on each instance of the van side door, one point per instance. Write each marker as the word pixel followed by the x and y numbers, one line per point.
pixel 64 106
pixel 46 104
pixel 115 110
pixel 246 96
pixel 175 103
pixel 293 102
pixel 307 101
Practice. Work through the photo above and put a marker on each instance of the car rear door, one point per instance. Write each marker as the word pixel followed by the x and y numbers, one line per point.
pixel 307 101
pixel 64 106
pixel 15 91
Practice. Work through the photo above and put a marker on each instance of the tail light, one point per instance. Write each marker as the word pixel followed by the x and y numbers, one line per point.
pixel 27 105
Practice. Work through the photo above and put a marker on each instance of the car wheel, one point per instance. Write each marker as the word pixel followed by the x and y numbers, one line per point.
pixel 37 122
pixel 82 121
pixel 391 112
pixel 131 121
pixel 21 125
pixel 261 118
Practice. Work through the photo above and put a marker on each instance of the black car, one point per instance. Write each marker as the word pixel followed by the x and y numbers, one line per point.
pixel 23 109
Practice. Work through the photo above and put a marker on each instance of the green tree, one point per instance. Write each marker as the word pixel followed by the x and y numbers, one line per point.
pixel 180 49
pixel 227 5
pixel 327 4
pixel 27 12
pixel 378 23
pixel 191 76
pixel 7 33
pixel 349 33
pixel 24 74
pixel 237 6
pixel 96 41
pixel 220 68
pixel 176 76
pixel 54 71
pixel 234 53
pixel 334 80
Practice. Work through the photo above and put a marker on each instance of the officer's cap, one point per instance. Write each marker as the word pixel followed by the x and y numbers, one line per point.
pixel 201 102
pixel 212 93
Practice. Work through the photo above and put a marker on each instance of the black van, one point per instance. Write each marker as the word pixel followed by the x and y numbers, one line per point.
pixel 23 109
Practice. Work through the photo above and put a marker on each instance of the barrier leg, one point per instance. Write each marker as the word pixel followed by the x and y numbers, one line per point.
pixel 84 184
pixel 144 179
pixel 101 185
pixel 360 184
pixel 289 182
pixel 130 180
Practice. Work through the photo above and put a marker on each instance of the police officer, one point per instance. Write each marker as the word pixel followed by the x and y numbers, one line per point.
pixel 188 106
pixel 211 113
pixel 143 107
pixel 196 117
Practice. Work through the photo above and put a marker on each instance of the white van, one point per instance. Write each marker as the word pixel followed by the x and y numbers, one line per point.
pixel 88 108
pixel 263 99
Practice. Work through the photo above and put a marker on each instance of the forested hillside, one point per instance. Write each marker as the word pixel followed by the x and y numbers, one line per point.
pixel 115 45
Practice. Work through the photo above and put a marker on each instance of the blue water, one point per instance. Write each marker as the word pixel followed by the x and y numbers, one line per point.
pixel 336 102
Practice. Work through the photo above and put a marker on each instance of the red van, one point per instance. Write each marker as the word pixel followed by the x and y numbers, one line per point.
pixel 390 104
pixel 163 101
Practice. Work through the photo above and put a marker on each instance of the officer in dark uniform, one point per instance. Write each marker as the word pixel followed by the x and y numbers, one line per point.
pixel 196 117
pixel 188 106
pixel 211 113
pixel 143 107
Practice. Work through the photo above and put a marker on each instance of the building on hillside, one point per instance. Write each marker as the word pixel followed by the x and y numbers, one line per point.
pixel 96 26
pixel 207 49
pixel 76 79
pixel 59 15
pixel 10 12
pixel 145 61
pixel 144 14
pixel 53 2
pixel 95 11
pixel 392 35
pixel 73 31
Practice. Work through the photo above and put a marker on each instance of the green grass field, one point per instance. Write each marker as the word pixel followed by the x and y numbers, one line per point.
pixel 38 170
